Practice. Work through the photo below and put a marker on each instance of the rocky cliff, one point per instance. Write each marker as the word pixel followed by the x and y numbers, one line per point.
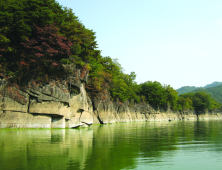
pixel 65 104
pixel 106 111
pixel 55 104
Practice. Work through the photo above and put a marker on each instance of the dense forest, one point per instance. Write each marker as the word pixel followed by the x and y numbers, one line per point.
pixel 39 37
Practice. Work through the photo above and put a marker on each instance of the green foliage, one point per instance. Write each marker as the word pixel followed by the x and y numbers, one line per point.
pixel 106 75
pixel 99 79
pixel 200 101
pixel 216 83
pixel 171 97
pixel 154 93
pixel 124 87
pixel 203 101
pixel 184 103
pixel 186 89
pixel 158 95
pixel 18 23
pixel 65 61
pixel 215 92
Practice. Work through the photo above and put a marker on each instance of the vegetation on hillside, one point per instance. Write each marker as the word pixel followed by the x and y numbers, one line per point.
pixel 37 37
pixel 162 95
pixel 159 95
pixel 215 83
pixel 41 35
pixel 200 101
pixel 214 92
pixel 187 89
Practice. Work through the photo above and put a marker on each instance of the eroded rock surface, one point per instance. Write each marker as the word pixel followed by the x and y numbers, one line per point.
pixel 56 104
pixel 107 111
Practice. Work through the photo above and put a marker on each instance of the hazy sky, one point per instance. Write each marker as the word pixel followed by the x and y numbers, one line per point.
pixel 175 42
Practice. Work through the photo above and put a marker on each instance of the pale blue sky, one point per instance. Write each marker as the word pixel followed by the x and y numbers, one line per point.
pixel 175 42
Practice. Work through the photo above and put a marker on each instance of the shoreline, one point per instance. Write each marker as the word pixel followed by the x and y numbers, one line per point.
pixel 53 106
pixel 163 117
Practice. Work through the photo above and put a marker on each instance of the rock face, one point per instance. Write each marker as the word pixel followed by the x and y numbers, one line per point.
pixel 57 104
pixel 106 111
pixel 65 104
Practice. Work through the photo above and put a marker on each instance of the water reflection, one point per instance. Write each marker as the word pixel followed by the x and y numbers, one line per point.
pixel 165 145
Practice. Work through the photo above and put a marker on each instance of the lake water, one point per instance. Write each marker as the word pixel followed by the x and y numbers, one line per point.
pixel 143 145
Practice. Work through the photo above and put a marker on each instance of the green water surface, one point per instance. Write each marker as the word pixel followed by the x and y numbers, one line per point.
pixel 143 145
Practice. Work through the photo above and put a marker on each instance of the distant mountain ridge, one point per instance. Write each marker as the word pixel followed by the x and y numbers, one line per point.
pixel 215 83
pixel 215 92
pixel 187 89
pixel 214 89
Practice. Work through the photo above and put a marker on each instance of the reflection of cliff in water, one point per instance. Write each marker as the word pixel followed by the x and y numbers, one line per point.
pixel 45 149
pixel 113 146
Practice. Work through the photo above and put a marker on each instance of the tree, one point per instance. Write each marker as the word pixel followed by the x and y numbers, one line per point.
pixel 184 103
pixel 171 97
pixel 155 93
pixel 200 101
pixel 44 52
pixel 18 23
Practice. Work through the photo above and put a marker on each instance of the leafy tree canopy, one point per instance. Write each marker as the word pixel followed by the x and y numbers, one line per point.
pixel 22 25
pixel 200 101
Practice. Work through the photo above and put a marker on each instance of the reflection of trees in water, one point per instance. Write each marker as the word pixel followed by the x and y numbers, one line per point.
pixel 200 130
pixel 159 139
pixel 114 146
pixel 118 146
pixel 207 130
pixel 45 149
